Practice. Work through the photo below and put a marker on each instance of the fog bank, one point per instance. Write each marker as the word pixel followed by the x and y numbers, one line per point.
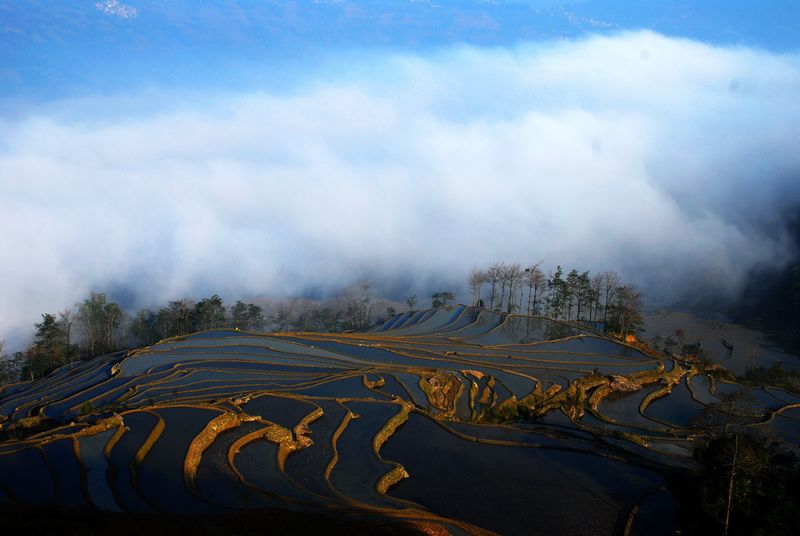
pixel 671 161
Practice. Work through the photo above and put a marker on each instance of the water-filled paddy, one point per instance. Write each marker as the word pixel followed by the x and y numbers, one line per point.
pixel 285 411
pixel 161 477
pixel 138 426
pixel 307 467
pixel 96 467
pixel 679 408
pixel 358 469
pixel 257 462
pixel 439 319
pixel 541 472
pixel 624 409
pixel 25 477
pixel 216 480
pixel 532 491
pixel 60 456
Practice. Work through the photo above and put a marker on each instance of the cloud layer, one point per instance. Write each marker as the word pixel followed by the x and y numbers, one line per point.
pixel 670 160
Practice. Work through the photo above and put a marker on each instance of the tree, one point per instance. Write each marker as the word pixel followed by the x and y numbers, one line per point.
pixel 90 314
pixel 66 320
pixel 439 299
pixel 610 283
pixel 583 294
pixel 7 372
pixel 250 317
pixel 144 327
pixel 411 301
pixel 475 280
pixel 572 291
pixel 535 280
pixel 493 274
pixel 326 319
pixel 628 305
pixel 558 293
pixel 175 318
pixel 749 484
pixel 209 313
pixel 255 317
pixel 18 363
pixel 112 319
pixel 596 285
pixel 282 318
pixel 366 298
pixel 99 319
pixel 502 274
pixel 238 314
pixel 357 300
pixel 49 340
pixel 512 275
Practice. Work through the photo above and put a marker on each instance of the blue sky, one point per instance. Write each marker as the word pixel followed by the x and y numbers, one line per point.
pixel 61 48
pixel 161 150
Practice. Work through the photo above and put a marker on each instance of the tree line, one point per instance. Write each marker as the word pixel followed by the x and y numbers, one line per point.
pixel 602 298
pixel 97 326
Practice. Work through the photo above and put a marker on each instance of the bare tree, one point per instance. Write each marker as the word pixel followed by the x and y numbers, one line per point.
pixel 535 280
pixel 475 280
pixel 629 303
pixel 6 368
pixel 512 275
pixel 357 300
pixel 67 319
pixel 611 282
pixel 366 299
pixel 493 276
pixel 596 285
pixel 99 319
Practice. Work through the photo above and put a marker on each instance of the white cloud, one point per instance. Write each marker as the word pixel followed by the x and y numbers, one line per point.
pixel 118 9
pixel 634 152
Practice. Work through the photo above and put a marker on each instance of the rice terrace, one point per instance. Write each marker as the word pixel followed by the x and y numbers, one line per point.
pixel 399 267
pixel 414 420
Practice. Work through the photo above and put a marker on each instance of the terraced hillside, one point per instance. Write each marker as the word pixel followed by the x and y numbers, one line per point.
pixel 453 419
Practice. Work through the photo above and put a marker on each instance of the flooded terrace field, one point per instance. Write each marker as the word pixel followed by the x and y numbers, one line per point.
pixel 463 419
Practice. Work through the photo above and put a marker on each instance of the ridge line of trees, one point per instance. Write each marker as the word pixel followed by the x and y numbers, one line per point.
pixel 601 299
pixel 104 327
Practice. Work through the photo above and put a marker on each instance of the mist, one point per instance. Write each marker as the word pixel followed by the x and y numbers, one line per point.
pixel 671 161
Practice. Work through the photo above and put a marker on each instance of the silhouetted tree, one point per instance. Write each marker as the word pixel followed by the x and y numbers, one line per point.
pixel 610 283
pixel 535 280
pixel 209 313
pixel 625 310
pixel 99 319
pixel 7 372
pixel 749 484
pixel 438 299
pixel 512 275
pixel 476 280
pixel 175 318
pixel 250 317
pixel 66 320
pixel 493 276
pixel 145 327
pixel 596 286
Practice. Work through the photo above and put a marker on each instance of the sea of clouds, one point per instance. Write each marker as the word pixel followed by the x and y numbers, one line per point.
pixel 672 161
